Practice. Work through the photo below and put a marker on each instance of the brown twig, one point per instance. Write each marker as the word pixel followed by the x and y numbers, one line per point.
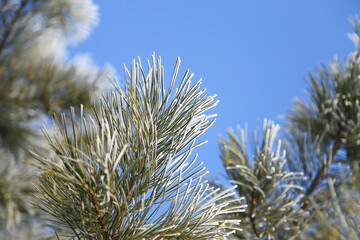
pixel 98 213
pixel 252 213
pixel 126 200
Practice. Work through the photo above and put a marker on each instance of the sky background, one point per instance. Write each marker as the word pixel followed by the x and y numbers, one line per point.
pixel 255 55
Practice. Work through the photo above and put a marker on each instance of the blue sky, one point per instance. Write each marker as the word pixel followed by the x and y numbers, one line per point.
pixel 255 55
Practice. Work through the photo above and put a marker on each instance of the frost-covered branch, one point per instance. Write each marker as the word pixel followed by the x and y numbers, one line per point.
pixel 128 173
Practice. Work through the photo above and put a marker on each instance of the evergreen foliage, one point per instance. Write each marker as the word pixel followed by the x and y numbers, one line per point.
pixel 127 172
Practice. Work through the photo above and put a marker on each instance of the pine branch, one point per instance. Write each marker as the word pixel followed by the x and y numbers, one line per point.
pixel 97 211
pixel 271 191
pixel 321 173
pixel 137 147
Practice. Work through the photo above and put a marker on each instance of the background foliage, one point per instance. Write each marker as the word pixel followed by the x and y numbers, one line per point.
pixel 37 78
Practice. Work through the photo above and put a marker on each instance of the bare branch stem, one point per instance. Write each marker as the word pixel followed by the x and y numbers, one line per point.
pixel 252 213
pixel 126 200
pixel 97 211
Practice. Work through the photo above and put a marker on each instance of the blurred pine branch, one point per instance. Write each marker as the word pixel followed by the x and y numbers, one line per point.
pixel 36 80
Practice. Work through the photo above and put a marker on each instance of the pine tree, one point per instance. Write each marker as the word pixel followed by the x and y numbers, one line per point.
pixel 126 172
pixel 312 190
pixel 36 79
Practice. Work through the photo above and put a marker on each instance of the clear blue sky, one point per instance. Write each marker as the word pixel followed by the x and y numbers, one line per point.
pixel 255 55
